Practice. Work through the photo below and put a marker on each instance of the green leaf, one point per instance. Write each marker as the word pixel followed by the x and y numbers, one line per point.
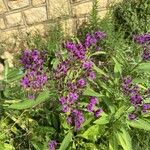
pixel 104 119
pixel 90 146
pixel 98 53
pixel 67 140
pixel 120 111
pixel 113 143
pixel 124 139
pixel 14 75
pixel 8 147
pixel 2 146
pixel 55 62
pixel 55 121
pixel 6 71
pixel 144 67
pixel 87 122
pixel 90 92
pixel 37 145
pixel 117 67
pixel 140 124
pixel 138 80
pixel 91 133
pixel 99 71
pixel 31 103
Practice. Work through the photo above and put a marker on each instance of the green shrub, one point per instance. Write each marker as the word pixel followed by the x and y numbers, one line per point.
pixel 132 16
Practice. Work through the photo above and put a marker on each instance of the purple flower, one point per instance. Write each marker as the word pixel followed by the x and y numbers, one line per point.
pixel 62 100
pixel 98 112
pixel 32 60
pixel 72 97
pixel 61 70
pixel 92 39
pixel 146 53
pixel 52 145
pixel 142 39
pixel 65 108
pixel 81 82
pixel 135 89
pixel 146 107
pixel 132 116
pixel 75 119
pixel 92 75
pixel 136 99
pixel 87 65
pixel 35 77
pixel 31 96
pixel 90 107
pixel 99 35
pixel 72 86
pixel 92 103
pixel 76 50
pixel 93 100
pixel 25 82
pixel 98 48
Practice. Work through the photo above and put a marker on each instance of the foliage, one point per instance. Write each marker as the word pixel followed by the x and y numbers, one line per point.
pixel 132 16
pixel 98 81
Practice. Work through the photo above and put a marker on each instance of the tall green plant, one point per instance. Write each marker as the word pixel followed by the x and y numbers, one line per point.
pixel 132 16
pixel 93 23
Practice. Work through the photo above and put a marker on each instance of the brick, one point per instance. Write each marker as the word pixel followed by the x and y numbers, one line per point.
pixel 2 24
pixel 2 7
pixel 102 14
pixel 58 8
pixel 68 26
pixel 103 3
pixel 14 19
pixel 40 28
pixel 35 15
pixel 81 22
pixel 17 4
pixel 112 2
pixel 82 9
pixel 8 36
pixel 75 1
pixel 37 2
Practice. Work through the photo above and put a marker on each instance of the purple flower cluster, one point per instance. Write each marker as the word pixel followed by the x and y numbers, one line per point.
pixel 34 80
pixel 69 104
pixel 88 68
pixel 82 67
pixel 136 97
pixel 62 69
pixel 144 40
pixel 146 107
pixel 52 145
pixel 75 118
pixel 32 60
pixel 77 50
pixel 92 39
pixel 91 107
pixel 35 77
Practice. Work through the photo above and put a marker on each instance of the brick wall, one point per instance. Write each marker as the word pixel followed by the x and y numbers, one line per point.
pixel 22 16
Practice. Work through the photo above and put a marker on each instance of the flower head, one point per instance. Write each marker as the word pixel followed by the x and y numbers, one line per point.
pixel 98 112
pixel 52 145
pixel 76 118
pixel 146 107
pixel 81 82
pixel 132 116
pixel 142 39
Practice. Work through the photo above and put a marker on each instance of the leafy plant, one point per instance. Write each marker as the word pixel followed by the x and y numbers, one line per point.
pixel 132 16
